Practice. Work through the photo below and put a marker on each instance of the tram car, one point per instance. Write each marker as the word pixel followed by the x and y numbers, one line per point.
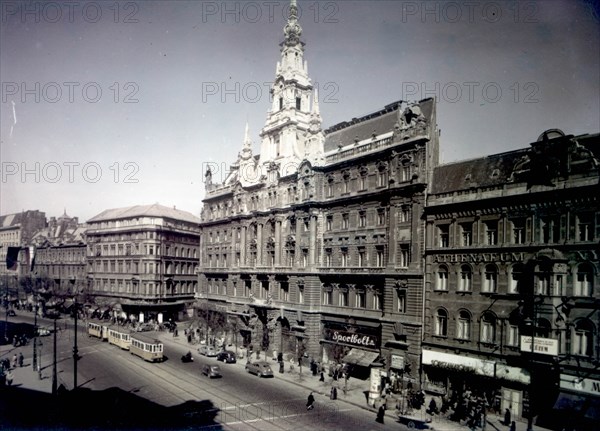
pixel 146 347
pixel 98 330
pixel 119 337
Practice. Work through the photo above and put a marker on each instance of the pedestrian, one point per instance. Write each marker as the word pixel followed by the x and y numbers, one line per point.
pixel 335 375
pixel 14 361
pixel 310 402
pixel 322 378
pixel 9 377
pixel 513 426
pixel 380 414
pixel 281 367
pixel 507 417
pixel 21 359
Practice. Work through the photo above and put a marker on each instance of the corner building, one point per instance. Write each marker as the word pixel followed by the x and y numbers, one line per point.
pixel 314 247
pixel 512 307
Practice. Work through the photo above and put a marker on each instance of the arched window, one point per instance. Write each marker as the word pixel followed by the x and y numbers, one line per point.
pixel 542 328
pixel 490 281
pixel 463 325
pixel 488 328
pixel 441 282
pixel 441 323
pixel 466 278
pixel 584 281
pixel 515 276
pixel 582 339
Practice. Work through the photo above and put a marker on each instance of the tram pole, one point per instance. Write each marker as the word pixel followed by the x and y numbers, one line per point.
pixel 35 334
pixel 75 351
pixel 54 373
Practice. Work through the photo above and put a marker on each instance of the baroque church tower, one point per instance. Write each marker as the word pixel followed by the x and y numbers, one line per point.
pixel 292 132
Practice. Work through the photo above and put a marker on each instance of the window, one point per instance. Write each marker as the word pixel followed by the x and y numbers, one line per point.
pixel 377 300
pixel 463 325
pixel 362 257
pixel 328 257
pixel 304 257
pixel 362 185
pixel 584 227
pixel 444 235
pixel 346 183
pixel 512 336
pixel 559 288
pixel 518 231
pixel 381 176
pixel 301 294
pixel 441 323
pixel 380 255
pixel 583 338
pixel 345 218
pixel 466 234
pixel 488 328
pixel 442 278
pixel 404 255
pixel 543 283
pixel 329 223
pixel 401 297
pixel 406 171
pixel 490 280
pixel 298 103
pixel 583 284
pixel 550 229
pixel 466 279
pixel 405 214
pixel 380 216
pixel 284 291
pixel 491 232
pixel 327 296
pixel 343 297
pixel 329 190
pixel 362 219
pixel 361 298
pixel 515 276
pixel 344 256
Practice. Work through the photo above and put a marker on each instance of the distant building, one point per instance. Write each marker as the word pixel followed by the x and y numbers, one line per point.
pixel 314 246
pixel 143 260
pixel 16 231
pixel 512 256
pixel 59 255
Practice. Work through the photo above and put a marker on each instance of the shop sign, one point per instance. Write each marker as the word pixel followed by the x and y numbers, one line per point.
pixel 587 386
pixel 397 362
pixel 545 346
pixel 352 338
pixel 479 257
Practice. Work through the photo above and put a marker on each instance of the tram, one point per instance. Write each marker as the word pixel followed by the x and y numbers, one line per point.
pixel 148 348
pixel 119 337
pixel 98 330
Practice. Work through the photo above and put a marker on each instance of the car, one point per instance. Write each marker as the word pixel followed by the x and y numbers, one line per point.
pixel 211 371
pixel 44 331
pixel 11 313
pixel 207 351
pixel 226 356
pixel 145 327
pixel 261 369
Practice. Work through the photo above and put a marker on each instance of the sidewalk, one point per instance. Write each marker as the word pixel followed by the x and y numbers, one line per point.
pixel 356 394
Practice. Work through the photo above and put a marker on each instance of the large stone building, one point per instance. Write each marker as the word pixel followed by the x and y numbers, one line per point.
pixel 314 246
pixel 512 256
pixel 16 231
pixel 143 260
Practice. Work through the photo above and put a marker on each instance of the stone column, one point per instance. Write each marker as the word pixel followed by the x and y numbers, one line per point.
pixel 243 246
pixel 312 246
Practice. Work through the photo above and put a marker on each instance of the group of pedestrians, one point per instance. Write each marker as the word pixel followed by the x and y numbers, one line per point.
pixel 6 367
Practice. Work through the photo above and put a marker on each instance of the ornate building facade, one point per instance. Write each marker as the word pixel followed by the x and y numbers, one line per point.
pixel 313 247
pixel 143 260
pixel 512 281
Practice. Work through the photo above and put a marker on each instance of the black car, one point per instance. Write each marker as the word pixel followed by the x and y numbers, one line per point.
pixel 226 356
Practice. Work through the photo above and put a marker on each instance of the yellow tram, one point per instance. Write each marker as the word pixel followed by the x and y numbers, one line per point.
pixel 98 330
pixel 148 348
pixel 119 337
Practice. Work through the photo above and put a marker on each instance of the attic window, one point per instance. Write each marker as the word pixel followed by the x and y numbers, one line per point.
pixel 495 173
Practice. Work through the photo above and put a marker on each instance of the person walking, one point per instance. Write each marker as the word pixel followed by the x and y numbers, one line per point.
pixel 380 414
pixel 310 402
pixel 507 417
pixel 513 426
pixel 21 359
pixel 14 361
pixel 9 377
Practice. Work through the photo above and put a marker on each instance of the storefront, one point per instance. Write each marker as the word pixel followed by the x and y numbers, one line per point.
pixel 578 403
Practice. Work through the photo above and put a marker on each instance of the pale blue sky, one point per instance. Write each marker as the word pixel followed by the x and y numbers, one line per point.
pixel 543 56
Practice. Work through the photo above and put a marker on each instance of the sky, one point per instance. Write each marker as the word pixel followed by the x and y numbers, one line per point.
pixel 110 104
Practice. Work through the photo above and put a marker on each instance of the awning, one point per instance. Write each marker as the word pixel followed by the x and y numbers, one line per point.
pixel 593 411
pixel 360 357
pixel 569 402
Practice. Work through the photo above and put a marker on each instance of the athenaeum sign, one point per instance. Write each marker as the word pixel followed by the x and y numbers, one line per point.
pixel 478 257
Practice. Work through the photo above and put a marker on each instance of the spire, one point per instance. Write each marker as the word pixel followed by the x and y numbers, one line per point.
pixel 292 29
pixel 316 110
pixel 247 140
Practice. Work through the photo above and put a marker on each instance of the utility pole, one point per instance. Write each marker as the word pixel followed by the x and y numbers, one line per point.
pixel 75 351
pixel 54 372
pixel 35 334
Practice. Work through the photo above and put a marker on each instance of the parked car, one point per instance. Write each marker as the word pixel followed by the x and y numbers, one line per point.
pixel 211 371
pixel 261 369
pixel 207 351
pixel 226 356
pixel 145 327
pixel 44 331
